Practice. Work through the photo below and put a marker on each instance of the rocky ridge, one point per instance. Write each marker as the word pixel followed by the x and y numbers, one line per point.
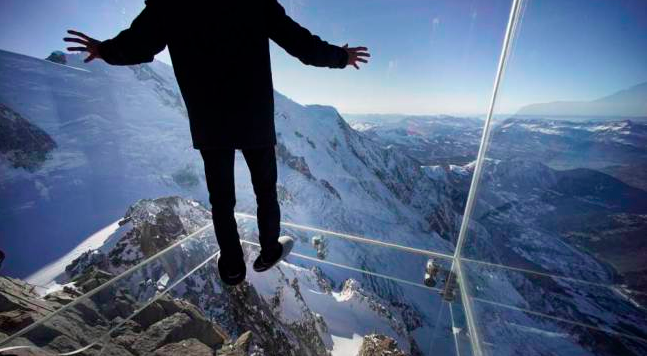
pixel 22 143
pixel 379 345
pixel 165 327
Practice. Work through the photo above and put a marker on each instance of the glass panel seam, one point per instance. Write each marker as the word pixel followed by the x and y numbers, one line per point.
pixel 469 206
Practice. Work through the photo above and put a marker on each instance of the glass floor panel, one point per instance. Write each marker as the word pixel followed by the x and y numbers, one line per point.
pixel 571 314
pixel 95 301
pixel 296 300
pixel 355 252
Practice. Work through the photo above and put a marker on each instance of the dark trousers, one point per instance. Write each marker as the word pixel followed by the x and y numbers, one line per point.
pixel 219 171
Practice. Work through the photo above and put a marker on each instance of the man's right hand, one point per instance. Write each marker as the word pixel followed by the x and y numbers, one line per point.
pixel 90 45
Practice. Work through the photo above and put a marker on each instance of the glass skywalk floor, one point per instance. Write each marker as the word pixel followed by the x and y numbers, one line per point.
pixel 519 260
pixel 90 323
pixel 465 316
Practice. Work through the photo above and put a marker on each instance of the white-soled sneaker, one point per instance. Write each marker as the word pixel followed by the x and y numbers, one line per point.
pixel 261 265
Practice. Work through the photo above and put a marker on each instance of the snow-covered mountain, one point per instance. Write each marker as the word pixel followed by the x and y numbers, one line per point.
pixel 431 140
pixel 616 147
pixel 121 135
pixel 531 217
pixel 568 144
pixel 576 223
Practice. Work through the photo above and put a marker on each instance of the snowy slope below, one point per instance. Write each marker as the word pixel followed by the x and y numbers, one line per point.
pixel 47 276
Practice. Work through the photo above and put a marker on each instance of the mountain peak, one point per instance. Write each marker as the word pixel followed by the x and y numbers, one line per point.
pixel 57 57
pixel 629 102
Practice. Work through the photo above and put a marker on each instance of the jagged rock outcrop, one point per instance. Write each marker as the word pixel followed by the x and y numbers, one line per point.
pixel 91 278
pixel 22 143
pixel 191 347
pixel 379 345
pixel 156 224
pixel 298 163
pixel 239 348
pixel 353 289
pixel 166 327
pixel 151 225
pixel 253 313
pixel 57 57
pixel 19 305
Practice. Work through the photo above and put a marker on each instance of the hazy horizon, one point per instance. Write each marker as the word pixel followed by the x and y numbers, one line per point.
pixel 477 115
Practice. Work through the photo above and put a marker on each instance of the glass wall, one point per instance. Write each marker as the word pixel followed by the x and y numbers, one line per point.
pixel 476 188
pixel 105 212
pixel 554 247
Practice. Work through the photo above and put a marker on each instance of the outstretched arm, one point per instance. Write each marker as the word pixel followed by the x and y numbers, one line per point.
pixel 137 44
pixel 308 48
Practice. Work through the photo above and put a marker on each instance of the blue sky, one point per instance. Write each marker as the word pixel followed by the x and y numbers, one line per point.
pixel 432 56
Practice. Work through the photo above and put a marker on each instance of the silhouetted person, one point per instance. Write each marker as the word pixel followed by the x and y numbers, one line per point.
pixel 220 54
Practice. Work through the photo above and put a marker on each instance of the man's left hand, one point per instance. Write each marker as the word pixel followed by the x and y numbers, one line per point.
pixel 356 54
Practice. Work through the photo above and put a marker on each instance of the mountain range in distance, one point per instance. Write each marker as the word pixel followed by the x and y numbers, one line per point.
pixel 630 102
pixel 627 103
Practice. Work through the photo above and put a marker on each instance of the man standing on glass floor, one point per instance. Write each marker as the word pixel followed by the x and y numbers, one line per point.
pixel 220 54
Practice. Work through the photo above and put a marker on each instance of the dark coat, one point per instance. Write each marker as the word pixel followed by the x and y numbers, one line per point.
pixel 220 53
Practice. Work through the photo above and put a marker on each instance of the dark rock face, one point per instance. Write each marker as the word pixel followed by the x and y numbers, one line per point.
pixel 92 278
pixel 253 313
pixel 330 188
pixel 22 143
pixel 187 347
pixel 57 57
pixel 178 327
pixel 19 305
pixel 297 163
pixel 157 223
pixel 239 348
pixel 166 327
pixel 169 326
pixel 158 235
pixel 379 345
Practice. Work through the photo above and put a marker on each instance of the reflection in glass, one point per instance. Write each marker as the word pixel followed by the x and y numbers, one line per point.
pixel 551 241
